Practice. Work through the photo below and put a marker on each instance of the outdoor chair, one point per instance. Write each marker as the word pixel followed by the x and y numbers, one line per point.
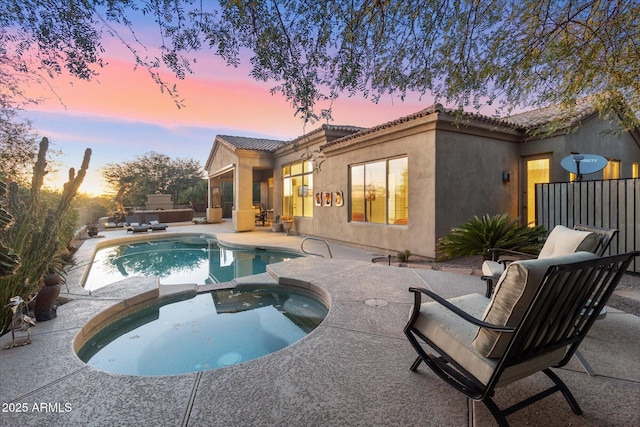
pixel 538 315
pixel 260 214
pixel 134 224
pixel 561 241
pixel 605 236
pixel 154 222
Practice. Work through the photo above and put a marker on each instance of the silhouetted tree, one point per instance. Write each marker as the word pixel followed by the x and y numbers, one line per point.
pixel 151 173
pixel 469 53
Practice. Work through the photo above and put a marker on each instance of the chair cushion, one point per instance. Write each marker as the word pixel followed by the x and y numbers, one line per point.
pixel 563 240
pixel 492 269
pixel 512 296
pixel 454 336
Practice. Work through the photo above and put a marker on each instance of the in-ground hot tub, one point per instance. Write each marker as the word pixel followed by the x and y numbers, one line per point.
pixel 148 335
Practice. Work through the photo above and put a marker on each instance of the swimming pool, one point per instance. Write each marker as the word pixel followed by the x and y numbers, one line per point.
pixel 203 332
pixel 181 259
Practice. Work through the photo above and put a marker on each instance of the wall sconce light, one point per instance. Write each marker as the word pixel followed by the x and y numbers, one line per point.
pixel 506 176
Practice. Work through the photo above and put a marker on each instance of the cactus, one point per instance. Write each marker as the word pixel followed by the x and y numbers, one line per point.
pixel 9 260
pixel 41 229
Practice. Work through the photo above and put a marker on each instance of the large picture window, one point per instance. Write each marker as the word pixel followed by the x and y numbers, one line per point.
pixel 379 191
pixel 297 189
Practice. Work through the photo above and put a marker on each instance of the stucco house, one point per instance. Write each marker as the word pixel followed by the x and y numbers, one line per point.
pixel 404 184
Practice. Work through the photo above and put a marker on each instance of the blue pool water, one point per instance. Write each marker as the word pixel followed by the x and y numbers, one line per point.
pixel 179 260
pixel 208 331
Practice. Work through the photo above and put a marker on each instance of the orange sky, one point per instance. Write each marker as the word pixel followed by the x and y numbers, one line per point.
pixel 123 114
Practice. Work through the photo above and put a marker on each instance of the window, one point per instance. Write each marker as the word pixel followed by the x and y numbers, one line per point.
pixel 612 170
pixel 379 192
pixel 297 189
pixel 634 170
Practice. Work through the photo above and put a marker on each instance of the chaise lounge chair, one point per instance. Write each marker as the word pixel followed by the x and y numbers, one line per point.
pixel 538 315
pixel 154 222
pixel 134 225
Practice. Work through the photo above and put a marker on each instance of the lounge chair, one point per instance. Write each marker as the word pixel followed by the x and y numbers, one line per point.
pixel 561 241
pixel 154 222
pixel 134 224
pixel 538 315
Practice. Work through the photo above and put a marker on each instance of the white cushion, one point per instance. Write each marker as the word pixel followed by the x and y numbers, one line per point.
pixel 563 240
pixel 512 296
pixel 153 222
pixel 492 268
pixel 454 336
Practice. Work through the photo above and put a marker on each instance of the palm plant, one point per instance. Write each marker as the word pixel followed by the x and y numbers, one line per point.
pixel 479 234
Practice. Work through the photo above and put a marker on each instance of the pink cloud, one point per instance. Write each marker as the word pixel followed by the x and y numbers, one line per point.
pixel 229 101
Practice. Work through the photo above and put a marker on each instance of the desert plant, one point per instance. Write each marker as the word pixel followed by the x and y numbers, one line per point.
pixel 44 224
pixel 479 234
pixel 403 256
pixel 8 258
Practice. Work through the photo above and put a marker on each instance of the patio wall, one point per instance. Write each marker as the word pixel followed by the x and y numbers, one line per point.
pixel 602 203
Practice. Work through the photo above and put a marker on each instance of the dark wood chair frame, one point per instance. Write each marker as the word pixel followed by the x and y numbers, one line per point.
pixel 563 310
pixel 605 236
pixel 260 215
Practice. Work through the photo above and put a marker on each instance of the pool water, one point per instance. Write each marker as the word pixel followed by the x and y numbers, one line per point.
pixel 209 331
pixel 180 260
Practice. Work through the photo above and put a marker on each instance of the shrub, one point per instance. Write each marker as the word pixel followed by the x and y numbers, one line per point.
pixel 403 256
pixel 478 235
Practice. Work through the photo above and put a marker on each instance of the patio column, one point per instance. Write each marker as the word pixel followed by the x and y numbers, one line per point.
pixel 243 214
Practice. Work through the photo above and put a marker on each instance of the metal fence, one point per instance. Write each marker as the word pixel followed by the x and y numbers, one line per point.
pixel 606 204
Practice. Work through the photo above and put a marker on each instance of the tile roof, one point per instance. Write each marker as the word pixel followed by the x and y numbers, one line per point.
pixel 435 108
pixel 247 143
pixel 559 115
pixel 551 118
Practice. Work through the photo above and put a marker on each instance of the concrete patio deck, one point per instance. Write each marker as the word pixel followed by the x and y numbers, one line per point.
pixel 353 370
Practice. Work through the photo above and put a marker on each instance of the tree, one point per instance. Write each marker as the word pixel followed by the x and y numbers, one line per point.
pixel 151 173
pixel 469 53
pixel 18 146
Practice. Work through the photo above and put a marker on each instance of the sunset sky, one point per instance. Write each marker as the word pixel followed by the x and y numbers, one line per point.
pixel 122 113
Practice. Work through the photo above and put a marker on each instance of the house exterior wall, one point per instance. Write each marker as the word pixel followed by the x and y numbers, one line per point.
pixel 416 141
pixel 456 169
pixel 222 157
pixel 594 136
pixel 470 163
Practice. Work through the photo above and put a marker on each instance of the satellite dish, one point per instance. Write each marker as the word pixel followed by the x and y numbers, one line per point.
pixel 583 164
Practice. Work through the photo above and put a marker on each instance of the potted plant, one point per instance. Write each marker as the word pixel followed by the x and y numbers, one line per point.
pixel 45 304
pixel 287 223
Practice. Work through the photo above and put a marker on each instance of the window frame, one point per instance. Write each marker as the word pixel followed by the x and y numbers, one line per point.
pixel 303 170
pixel 368 217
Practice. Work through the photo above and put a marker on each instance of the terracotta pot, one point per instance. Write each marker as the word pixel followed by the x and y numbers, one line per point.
pixel 45 308
pixel 52 279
